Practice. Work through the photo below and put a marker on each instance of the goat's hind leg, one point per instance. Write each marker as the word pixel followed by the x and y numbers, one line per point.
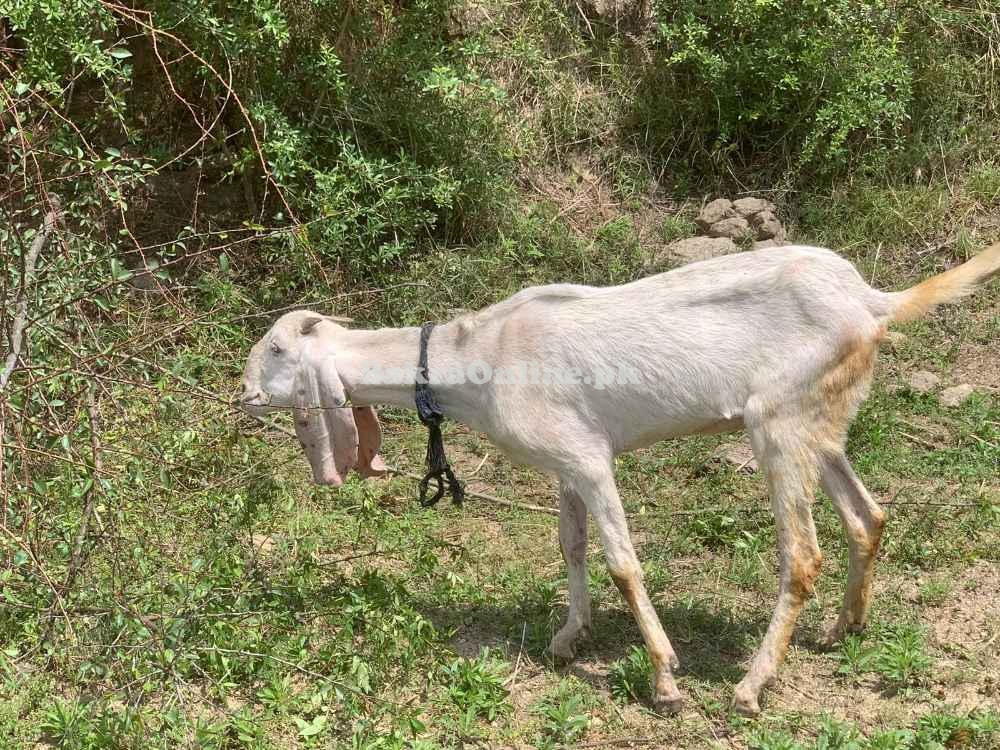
pixel 573 541
pixel 863 520
pixel 790 467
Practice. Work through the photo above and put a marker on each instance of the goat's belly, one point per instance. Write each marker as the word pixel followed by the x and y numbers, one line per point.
pixel 714 426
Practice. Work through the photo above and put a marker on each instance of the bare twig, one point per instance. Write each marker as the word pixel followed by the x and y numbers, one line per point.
pixel 21 308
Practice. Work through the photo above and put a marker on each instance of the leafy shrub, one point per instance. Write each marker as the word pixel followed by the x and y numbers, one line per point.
pixel 825 84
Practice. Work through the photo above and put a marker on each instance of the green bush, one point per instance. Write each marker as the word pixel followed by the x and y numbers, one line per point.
pixel 822 84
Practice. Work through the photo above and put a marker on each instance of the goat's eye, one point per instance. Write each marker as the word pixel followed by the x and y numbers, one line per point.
pixel 275 348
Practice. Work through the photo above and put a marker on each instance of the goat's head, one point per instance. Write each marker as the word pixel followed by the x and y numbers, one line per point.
pixel 293 366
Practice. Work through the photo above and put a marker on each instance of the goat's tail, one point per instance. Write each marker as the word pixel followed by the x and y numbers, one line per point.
pixel 945 287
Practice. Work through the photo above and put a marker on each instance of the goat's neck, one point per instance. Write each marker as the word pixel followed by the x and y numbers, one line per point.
pixel 400 348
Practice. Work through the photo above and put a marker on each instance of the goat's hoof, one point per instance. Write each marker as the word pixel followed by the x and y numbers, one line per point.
pixel 668 704
pixel 563 651
pixel 835 634
pixel 830 638
pixel 745 704
pixel 562 647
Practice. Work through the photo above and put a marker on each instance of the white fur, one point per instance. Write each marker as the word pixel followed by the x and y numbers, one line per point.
pixel 776 341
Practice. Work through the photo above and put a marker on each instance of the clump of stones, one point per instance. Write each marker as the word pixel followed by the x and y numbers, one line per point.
pixel 746 217
pixel 723 223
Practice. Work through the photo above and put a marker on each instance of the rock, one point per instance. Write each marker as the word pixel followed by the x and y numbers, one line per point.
pixel 714 212
pixel 739 456
pixel 618 9
pixel 734 226
pixel 465 20
pixel 922 381
pixel 768 227
pixel 747 207
pixel 895 340
pixel 955 395
pixel 695 249
pixel 763 244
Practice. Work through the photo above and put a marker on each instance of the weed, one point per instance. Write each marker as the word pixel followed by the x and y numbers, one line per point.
pixel 716 529
pixel 854 656
pixel 983 184
pixel 631 677
pixel 476 688
pixel 933 731
pixel 676 227
pixel 895 652
pixel 762 739
pixel 564 716
pixel 901 658
pixel 935 591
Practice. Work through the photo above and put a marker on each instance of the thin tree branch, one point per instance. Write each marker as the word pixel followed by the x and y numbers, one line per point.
pixel 21 309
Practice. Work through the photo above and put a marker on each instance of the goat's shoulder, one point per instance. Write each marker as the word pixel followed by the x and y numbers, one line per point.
pixel 547 293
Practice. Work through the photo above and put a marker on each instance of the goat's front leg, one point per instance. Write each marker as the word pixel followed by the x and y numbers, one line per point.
pixel 600 496
pixel 789 468
pixel 573 541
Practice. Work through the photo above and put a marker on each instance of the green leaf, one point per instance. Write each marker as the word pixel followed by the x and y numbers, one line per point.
pixel 120 53
pixel 311 728
pixel 21 88
pixel 224 263
pixel 118 271
pixel 112 151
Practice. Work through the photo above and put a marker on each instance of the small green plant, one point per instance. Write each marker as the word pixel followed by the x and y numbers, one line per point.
pixel 715 529
pixel 935 592
pixel 984 184
pixel 278 694
pixel 933 732
pixel 763 739
pixel 476 687
pixel 564 716
pixel 66 723
pixel 897 653
pixel 676 227
pixel 837 735
pixel 902 658
pixel 853 655
pixel 631 677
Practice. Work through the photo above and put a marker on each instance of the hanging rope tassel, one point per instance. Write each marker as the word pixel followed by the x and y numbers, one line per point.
pixel 430 413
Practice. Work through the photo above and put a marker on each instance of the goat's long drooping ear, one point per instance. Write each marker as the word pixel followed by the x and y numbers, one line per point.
pixel 325 429
pixel 309 323
pixel 370 463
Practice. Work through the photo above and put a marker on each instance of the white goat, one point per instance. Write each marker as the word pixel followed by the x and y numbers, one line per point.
pixel 780 341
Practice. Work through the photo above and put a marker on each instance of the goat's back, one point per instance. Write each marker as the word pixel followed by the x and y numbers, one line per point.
pixel 704 338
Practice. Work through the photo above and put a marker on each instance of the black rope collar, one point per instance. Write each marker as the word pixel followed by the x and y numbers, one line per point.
pixel 431 415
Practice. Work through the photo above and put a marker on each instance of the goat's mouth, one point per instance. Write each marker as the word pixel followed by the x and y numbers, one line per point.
pixel 256 406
